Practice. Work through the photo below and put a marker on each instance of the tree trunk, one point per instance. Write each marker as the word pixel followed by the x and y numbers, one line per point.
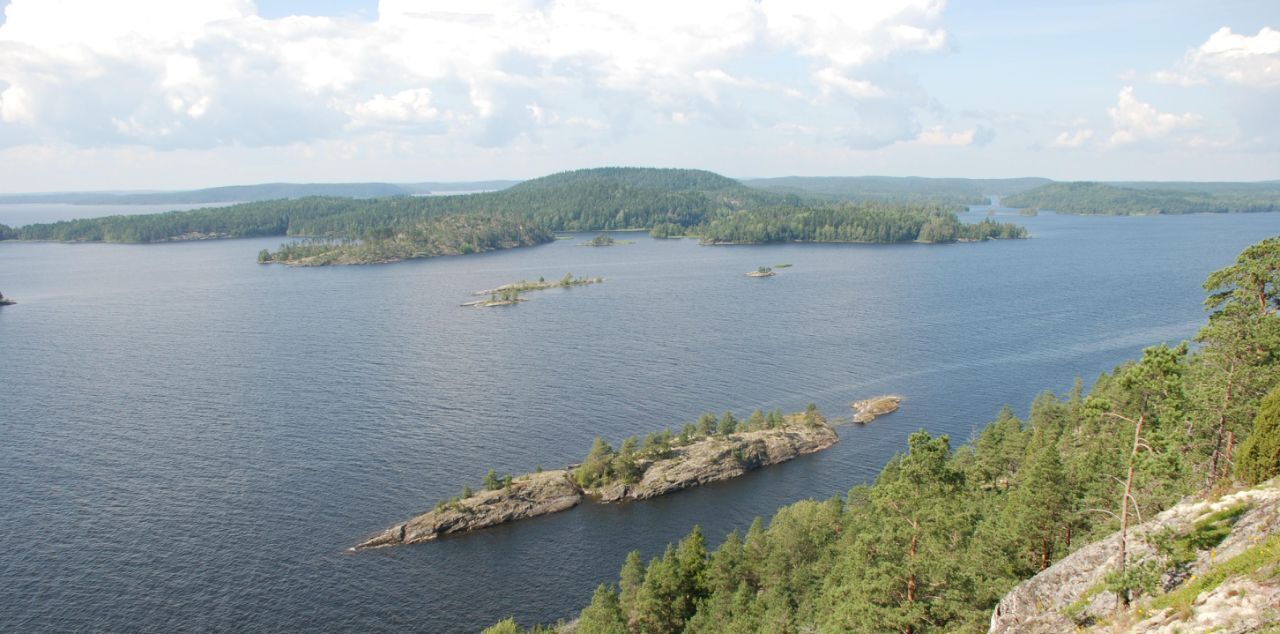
pixel 1231 441
pixel 1222 425
pixel 1124 506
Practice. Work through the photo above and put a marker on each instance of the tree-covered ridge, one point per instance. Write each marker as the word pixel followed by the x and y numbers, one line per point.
pixel 952 193
pixel 229 194
pixel 943 533
pixel 273 218
pixel 600 199
pixel 1149 198
pixel 445 235
pixel 868 222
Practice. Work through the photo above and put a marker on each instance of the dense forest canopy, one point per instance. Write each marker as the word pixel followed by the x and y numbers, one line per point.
pixel 1118 199
pixel 952 193
pixel 944 532
pixel 668 201
pixel 851 223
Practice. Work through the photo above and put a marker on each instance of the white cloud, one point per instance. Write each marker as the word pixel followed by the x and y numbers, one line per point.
pixel 938 135
pixel 1072 138
pixel 1135 121
pixel 406 106
pixel 211 73
pixel 1251 61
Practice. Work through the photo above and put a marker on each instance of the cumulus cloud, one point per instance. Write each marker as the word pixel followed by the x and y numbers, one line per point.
pixel 1135 121
pixel 207 73
pixel 1244 71
pixel 1072 138
pixel 938 135
pixel 1252 61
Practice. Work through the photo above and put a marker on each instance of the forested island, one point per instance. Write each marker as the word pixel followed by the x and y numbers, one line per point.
pixel 602 240
pixel 867 223
pixel 709 450
pixel 1124 199
pixel 1092 479
pixel 667 202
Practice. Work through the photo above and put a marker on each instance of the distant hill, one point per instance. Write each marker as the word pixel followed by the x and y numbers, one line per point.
pixel 1122 199
pixel 231 194
pixel 946 191
pixel 441 187
pixel 592 199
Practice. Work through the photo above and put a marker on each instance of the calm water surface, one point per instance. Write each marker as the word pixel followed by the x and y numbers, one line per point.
pixel 189 441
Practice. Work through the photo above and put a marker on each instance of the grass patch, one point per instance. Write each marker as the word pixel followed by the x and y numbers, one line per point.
pixel 1203 535
pixel 1247 562
pixel 1073 609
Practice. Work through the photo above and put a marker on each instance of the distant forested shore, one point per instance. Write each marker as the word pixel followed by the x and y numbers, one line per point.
pixel 1125 199
pixel 668 202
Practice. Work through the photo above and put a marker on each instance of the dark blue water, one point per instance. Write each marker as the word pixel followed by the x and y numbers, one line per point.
pixel 189 441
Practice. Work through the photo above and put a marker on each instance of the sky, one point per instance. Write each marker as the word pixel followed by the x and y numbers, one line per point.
pixel 157 94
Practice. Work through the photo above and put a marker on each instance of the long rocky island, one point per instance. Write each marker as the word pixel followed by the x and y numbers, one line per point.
pixel 509 294
pixel 707 451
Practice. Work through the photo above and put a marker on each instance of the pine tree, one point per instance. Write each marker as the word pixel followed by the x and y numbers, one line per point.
pixel 706 424
pixel 595 468
pixel 603 615
pixel 728 424
pixel 629 581
pixel 491 481
pixel 1039 503
pixel 905 571
pixel 1260 454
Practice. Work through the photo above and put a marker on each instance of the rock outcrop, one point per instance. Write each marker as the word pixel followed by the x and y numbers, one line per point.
pixel 721 458
pixel 530 495
pixel 1233 586
pixel 867 410
pixel 706 459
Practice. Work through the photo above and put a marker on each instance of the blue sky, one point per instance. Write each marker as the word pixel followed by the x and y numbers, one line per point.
pixel 158 94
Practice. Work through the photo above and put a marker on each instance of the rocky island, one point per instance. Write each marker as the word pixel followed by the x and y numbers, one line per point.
pixel 509 294
pixel 763 271
pixel 603 240
pixel 4 301
pixel 867 410
pixel 528 496
pixel 708 451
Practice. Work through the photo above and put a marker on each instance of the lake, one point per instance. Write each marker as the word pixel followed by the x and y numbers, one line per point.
pixel 190 440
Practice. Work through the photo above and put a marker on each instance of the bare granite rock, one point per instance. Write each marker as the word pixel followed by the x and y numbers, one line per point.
pixel 720 458
pixel 1239 604
pixel 529 496
pixel 867 410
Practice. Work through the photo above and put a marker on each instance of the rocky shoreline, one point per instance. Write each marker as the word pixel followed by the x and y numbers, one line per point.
pixel 708 459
